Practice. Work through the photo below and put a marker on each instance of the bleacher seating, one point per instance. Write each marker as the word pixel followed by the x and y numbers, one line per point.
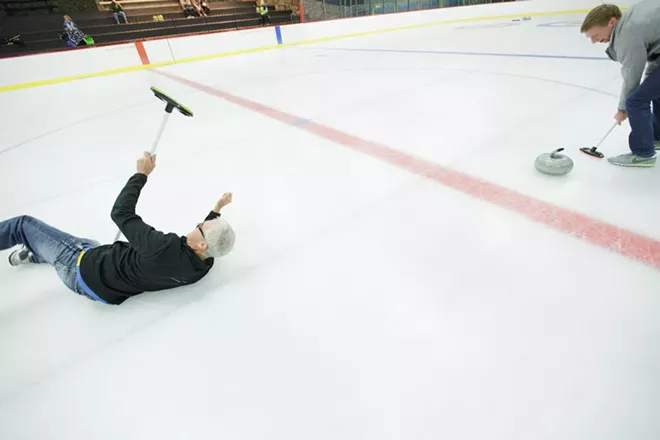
pixel 41 34
pixel 13 7
pixel 145 7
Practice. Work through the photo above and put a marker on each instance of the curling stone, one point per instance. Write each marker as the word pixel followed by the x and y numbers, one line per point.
pixel 554 164
pixel 527 18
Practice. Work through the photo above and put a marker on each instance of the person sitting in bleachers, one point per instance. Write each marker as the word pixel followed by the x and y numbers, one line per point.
pixel 205 6
pixel 73 36
pixel 262 10
pixel 118 11
pixel 199 9
pixel 189 11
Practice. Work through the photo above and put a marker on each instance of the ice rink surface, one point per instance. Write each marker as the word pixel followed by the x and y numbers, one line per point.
pixel 371 293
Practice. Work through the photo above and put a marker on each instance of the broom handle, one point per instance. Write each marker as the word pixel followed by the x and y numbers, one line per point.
pixel 607 134
pixel 153 150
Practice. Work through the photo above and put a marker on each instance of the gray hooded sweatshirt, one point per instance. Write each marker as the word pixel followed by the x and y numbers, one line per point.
pixel 636 41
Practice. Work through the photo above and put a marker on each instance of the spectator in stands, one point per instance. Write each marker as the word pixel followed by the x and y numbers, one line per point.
pixel 189 11
pixel 118 11
pixel 262 10
pixel 198 8
pixel 74 36
pixel 205 6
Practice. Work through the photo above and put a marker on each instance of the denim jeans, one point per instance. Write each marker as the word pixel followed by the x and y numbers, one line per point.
pixel 121 14
pixel 48 245
pixel 645 124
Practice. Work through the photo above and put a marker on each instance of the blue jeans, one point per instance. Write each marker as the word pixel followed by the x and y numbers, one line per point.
pixel 644 123
pixel 48 245
pixel 121 14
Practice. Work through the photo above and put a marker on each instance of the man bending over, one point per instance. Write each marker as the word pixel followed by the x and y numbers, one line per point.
pixel 633 40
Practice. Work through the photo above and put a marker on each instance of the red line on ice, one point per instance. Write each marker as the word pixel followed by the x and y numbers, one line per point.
pixel 614 238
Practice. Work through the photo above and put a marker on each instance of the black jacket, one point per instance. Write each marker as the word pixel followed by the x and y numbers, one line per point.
pixel 150 261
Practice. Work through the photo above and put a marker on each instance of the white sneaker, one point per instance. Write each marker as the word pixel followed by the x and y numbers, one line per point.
pixel 21 256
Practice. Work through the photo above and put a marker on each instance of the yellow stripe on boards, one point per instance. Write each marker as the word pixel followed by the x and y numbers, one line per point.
pixel 64 79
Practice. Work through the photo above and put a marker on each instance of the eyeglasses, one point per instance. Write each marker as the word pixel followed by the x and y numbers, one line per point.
pixel 199 227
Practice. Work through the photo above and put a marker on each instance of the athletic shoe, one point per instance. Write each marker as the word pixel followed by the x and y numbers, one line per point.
pixel 21 256
pixel 632 160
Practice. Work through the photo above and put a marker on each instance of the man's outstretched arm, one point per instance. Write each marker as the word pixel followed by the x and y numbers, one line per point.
pixel 224 201
pixel 144 238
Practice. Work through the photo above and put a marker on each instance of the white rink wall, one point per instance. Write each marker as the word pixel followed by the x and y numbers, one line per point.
pixel 335 28
pixel 58 66
pixel 208 44
pixel 26 69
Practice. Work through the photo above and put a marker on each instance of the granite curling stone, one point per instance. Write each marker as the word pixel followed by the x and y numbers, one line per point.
pixel 554 164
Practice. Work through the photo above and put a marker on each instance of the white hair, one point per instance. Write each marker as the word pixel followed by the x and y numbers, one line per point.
pixel 220 238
